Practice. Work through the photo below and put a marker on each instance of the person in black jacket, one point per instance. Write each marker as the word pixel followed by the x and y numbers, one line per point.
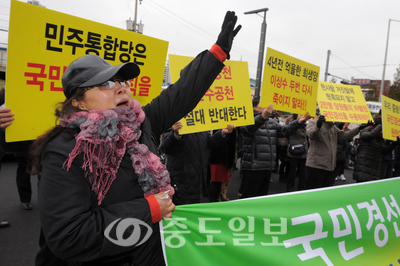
pixel 21 151
pixel 222 159
pixel 297 160
pixel 187 159
pixel 103 190
pixel 367 166
pixel 6 119
pixel 259 149
pixel 341 155
pixel 396 162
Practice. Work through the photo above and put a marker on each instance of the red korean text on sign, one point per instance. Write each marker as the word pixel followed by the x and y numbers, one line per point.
pixel 39 77
pixel 278 81
pixel 141 87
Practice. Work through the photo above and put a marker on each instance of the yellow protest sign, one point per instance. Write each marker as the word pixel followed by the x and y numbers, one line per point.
pixel 342 103
pixel 289 84
pixel 390 118
pixel 41 45
pixel 227 101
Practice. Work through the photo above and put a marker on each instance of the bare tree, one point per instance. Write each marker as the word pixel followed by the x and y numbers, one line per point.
pixel 394 91
pixel 372 94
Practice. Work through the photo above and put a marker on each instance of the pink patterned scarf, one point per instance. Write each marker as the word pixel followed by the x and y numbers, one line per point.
pixel 105 136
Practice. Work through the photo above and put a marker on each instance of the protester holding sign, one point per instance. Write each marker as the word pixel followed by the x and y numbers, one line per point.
pixel 297 153
pixel 341 154
pixel 3 113
pixel 321 158
pixel 222 159
pixel 259 146
pixel 21 151
pixel 371 146
pixel 103 190
pixel 187 159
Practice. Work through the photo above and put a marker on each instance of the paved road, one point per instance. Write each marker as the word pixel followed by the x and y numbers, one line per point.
pixel 19 242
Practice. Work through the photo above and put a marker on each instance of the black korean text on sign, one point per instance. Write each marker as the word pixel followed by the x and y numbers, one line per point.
pixel 74 39
pixel 195 116
pixel 110 48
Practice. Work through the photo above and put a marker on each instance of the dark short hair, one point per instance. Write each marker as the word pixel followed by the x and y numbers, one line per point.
pixel 256 101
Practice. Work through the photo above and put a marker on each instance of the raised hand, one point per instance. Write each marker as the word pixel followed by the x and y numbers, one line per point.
pixel 225 38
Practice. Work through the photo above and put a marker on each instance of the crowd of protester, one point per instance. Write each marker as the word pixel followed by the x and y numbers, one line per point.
pixel 298 147
pixel 309 153
pixel 319 152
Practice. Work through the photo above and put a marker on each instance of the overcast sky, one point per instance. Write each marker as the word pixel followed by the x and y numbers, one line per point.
pixel 354 30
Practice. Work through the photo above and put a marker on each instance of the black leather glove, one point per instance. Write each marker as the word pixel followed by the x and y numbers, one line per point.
pixel 362 126
pixel 378 121
pixel 225 38
pixel 320 121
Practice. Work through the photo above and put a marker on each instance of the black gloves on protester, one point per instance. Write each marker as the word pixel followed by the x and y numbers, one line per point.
pixel 378 121
pixel 362 126
pixel 225 38
pixel 320 121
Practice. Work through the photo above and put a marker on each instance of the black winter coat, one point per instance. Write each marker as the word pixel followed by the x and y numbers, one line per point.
pixel 73 225
pixel 341 154
pixel 187 160
pixel 299 137
pixel 259 142
pixel 226 153
pixel 367 166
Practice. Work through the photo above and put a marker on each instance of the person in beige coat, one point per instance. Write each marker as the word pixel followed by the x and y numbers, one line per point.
pixel 321 156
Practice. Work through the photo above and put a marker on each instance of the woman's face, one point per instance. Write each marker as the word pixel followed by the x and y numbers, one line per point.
pixel 106 96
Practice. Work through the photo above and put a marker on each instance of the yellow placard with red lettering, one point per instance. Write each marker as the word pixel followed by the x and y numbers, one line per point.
pixel 41 45
pixel 227 101
pixel 290 84
pixel 342 103
pixel 390 118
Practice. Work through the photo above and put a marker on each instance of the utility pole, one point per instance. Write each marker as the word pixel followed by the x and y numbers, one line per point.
pixel 134 25
pixel 384 64
pixel 327 66
pixel 260 51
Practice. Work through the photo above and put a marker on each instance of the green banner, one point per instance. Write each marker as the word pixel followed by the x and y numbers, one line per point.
pixel 342 225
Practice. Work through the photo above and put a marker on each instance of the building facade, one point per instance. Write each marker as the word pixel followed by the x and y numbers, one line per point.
pixel 367 84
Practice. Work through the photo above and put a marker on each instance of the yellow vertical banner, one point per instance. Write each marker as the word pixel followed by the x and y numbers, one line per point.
pixel 342 103
pixel 227 101
pixel 289 84
pixel 41 45
pixel 390 118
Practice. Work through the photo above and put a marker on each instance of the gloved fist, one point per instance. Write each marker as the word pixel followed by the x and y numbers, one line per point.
pixel 362 126
pixel 378 121
pixel 320 121
pixel 225 38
